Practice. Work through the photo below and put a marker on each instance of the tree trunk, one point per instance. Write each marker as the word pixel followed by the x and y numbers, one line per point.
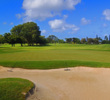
pixel 21 45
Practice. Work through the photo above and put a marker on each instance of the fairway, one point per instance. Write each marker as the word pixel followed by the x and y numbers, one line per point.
pixel 76 53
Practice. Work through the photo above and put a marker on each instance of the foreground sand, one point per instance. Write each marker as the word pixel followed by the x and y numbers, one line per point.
pixel 80 83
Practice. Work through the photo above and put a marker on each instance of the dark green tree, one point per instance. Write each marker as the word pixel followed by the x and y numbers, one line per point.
pixel 31 32
pixel 7 37
pixel 17 31
pixel 12 40
pixel 76 41
pixel 61 41
pixel 90 41
pixel 42 40
pixel 83 41
pixel 52 39
pixel 106 38
pixel 28 32
pixel 69 40
pixel 1 39
pixel 96 41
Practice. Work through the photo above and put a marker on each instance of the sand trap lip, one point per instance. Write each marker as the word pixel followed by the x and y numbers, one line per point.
pixel 80 83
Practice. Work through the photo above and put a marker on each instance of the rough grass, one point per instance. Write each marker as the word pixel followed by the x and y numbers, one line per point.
pixel 55 56
pixel 14 88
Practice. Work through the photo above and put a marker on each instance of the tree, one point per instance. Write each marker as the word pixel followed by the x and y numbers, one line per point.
pixel 61 41
pixel 17 31
pixel 28 32
pixel 1 39
pixel 42 40
pixel 100 39
pixel 106 38
pixel 20 40
pixel 105 41
pixel 68 40
pixel 52 39
pixel 90 41
pixel 76 40
pixel 83 41
pixel 31 32
pixel 96 41
pixel 7 37
pixel 12 40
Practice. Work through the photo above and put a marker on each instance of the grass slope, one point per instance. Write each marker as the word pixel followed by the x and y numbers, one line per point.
pixel 53 64
pixel 14 88
pixel 55 56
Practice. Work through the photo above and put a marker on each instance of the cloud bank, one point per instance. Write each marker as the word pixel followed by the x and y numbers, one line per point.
pixel 85 21
pixel 42 9
pixel 59 25
pixel 106 13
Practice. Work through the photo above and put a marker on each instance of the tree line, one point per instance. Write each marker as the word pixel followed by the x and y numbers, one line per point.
pixel 97 40
pixel 87 40
pixel 30 33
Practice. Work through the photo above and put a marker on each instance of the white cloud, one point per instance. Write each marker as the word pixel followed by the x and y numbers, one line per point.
pixel 85 21
pixel 11 23
pixel 43 31
pixel 106 13
pixel 42 9
pixel 18 16
pixel 59 25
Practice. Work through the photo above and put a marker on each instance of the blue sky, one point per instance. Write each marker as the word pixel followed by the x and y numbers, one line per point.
pixel 63 18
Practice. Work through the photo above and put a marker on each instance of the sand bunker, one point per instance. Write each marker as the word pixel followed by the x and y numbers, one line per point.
pixel 80 83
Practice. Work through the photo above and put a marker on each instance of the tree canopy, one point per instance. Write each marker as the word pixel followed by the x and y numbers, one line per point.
pixel 28 32
pixel 52 39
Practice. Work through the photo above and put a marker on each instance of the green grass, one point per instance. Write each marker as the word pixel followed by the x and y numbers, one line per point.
pixel 52 64
pixel 55 56
pixel 14 88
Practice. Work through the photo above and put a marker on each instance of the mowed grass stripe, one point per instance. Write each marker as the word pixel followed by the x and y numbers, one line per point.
pixel 52 64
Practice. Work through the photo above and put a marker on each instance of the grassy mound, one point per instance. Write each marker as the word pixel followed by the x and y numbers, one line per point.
pixel 14 88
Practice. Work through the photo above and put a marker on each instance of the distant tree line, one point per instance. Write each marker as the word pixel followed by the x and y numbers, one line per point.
pixel 87 40
pixel 30 33
pixel 97 40
pixel 54 39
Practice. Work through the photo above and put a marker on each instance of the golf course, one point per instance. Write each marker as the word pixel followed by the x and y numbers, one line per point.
pixel 55 50
pixel 46 68
pixel 55 56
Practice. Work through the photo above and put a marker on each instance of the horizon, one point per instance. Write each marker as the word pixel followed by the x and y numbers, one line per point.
pixel 64 18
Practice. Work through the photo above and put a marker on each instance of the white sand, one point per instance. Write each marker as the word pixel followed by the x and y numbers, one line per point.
pixel 81 83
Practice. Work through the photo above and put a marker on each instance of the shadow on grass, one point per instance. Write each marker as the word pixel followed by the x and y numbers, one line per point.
pixel 36 45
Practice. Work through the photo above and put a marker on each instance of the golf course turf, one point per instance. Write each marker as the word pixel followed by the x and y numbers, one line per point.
pixel 14 88
pixel 55 56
